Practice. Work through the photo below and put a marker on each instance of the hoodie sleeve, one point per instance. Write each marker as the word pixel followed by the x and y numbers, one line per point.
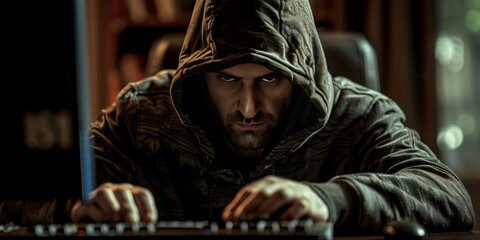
pixel 31 212
pixel 398 178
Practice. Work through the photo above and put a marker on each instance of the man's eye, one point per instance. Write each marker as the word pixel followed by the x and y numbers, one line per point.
pixel 269 79
pixel 226 78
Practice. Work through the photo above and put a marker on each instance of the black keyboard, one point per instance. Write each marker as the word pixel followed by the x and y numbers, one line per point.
pixel 166 229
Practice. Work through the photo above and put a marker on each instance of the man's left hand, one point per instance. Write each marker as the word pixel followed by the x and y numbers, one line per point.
pixel 270 195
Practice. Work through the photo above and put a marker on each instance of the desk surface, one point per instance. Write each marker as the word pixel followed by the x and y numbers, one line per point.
pixel 437 236
pixel 469 235
pixel 109 231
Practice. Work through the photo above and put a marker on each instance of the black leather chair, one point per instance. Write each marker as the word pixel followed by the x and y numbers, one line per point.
pixel 348 54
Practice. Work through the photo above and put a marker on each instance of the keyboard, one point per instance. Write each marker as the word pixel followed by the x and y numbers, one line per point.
pixel 304 229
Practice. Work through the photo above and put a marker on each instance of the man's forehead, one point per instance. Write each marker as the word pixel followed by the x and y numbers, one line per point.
pixel 247 70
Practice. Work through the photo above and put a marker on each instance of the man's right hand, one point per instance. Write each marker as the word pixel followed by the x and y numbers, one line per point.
pixel 117 203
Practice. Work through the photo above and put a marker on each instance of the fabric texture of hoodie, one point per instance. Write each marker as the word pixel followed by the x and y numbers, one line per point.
pixel 347 142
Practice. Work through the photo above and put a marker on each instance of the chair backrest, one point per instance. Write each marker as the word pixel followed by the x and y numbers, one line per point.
pixel 164 53
pixel 351 55
pixel 348 54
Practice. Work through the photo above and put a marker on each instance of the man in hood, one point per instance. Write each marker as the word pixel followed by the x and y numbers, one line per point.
pixel 251 124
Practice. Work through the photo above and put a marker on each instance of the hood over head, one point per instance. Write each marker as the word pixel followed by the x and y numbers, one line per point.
pixel 280 34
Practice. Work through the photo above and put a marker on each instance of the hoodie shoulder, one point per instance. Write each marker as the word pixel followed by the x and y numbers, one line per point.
pixel 156 84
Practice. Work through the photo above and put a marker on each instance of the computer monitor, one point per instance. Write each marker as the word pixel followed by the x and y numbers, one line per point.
pixel 45 102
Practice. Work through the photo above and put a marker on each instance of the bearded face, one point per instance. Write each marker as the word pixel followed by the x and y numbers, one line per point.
pixel 250 100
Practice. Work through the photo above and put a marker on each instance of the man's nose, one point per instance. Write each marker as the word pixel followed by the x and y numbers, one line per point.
pixel 248 102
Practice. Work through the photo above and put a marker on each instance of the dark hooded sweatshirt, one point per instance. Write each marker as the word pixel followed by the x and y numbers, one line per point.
pixel 347 142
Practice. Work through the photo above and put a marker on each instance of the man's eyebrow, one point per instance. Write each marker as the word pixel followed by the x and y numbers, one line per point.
pixel 270 74
pixel 226 74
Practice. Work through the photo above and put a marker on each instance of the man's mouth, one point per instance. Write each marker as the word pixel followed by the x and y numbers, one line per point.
pixel 248 127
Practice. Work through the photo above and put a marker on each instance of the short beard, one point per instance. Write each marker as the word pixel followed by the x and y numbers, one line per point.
pixel 249 140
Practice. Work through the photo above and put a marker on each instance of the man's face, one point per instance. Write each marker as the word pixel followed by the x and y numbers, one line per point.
pixel 250 100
